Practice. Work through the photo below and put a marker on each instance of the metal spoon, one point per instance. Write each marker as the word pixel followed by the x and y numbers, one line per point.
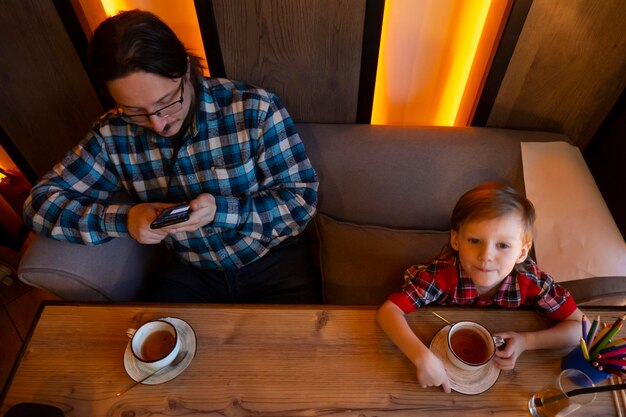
pixel 178 359
pixel 445 320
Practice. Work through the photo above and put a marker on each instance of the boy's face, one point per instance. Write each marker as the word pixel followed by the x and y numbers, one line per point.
pixel 489 249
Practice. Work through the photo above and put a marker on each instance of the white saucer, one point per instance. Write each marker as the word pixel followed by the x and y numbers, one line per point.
pixel 137 371
pixel 461 380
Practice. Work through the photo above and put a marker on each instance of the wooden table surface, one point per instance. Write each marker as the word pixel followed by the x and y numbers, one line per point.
pixel 269 361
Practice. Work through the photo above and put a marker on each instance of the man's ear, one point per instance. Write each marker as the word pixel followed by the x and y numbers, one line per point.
pixel 454 240
pixel 525 251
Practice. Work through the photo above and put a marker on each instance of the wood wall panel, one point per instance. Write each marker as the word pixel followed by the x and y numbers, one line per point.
pixel 306 51
pixel 568 69
pixel 47 102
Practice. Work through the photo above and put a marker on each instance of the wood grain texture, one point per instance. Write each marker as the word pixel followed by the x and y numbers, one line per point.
pixel 268 361
pixel 308 52
pixel 23 310
pixel 47 102
pixel 567 71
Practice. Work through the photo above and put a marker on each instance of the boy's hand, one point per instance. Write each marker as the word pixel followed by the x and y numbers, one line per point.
pixel 431 373
pixel 514 347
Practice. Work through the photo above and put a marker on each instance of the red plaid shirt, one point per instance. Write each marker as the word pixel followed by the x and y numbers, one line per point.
pixel 443 281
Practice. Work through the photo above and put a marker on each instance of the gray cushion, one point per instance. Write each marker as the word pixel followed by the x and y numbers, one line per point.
pixel 608 291
pixel 364 264
pixel 409 177
pixel 113 271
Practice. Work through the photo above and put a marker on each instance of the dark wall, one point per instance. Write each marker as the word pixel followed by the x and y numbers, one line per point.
pixel 606 157
pixel 47 102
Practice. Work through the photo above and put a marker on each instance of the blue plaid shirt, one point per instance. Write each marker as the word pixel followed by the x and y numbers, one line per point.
pixel 241 147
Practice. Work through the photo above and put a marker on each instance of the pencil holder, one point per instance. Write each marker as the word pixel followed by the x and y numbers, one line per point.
pixel 576 360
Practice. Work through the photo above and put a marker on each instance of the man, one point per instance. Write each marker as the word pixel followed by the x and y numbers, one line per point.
pixel 228 149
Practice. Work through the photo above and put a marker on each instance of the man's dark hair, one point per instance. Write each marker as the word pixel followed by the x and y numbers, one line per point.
pixel 134 41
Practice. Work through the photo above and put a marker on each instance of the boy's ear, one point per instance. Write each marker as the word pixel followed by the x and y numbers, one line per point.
pixel 454 240
pixel 525 251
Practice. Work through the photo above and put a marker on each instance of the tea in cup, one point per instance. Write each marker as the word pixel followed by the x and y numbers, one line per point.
pixel 470 345
pixel 155 344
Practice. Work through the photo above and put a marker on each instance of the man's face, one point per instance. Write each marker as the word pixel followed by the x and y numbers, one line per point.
pixel 142 93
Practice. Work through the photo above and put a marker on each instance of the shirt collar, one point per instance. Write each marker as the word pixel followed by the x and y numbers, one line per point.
pixel 466 288
pixel 208 108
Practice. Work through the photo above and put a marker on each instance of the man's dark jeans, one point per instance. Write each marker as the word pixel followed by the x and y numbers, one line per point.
pixel 283 276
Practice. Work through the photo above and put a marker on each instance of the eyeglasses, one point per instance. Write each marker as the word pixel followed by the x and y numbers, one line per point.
pixel 166 111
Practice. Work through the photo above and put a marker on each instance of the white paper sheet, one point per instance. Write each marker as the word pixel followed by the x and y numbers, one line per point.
pixel 576 236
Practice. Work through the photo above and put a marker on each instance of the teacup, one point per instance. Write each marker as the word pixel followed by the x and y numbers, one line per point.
pixel 470 345
pixel 154 344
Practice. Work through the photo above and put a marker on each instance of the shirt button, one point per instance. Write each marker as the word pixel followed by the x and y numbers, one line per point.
pixel 190 177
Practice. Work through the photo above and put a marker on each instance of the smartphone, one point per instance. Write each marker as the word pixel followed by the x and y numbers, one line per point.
pixel 171 215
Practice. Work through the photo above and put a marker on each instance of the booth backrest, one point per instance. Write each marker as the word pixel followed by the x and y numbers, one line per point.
pixel 409 177
pixel 386 194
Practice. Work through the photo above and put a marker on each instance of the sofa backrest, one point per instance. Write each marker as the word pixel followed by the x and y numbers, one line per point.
pixel 386 194
pixel 409 176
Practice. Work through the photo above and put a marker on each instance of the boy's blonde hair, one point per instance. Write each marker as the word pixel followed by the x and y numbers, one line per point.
pixel 491 200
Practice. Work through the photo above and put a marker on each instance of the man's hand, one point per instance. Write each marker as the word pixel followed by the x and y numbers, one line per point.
pixel 139 218
pixel 202 213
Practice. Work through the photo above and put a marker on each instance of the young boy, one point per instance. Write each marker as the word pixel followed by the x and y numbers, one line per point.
pixel 485 263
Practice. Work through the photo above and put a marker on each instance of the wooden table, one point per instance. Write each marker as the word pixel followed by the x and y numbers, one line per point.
pixel 268 361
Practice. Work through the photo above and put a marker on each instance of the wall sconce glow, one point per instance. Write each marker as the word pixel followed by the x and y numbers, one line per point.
pixel 182 19
pixel 112 7
pixel 463 49
pixel 431 52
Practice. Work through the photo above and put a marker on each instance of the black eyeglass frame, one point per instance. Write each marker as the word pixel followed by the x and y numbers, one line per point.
pixel 132 117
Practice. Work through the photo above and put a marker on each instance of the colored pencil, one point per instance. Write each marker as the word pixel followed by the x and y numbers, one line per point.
pixel 603 329
pixel 618 409
pixel 606 338
pixel 583 347
pixel 612 352
pixel 612 361
pixel 592 330
pixel 620 374
pixel 616 343
pixel 584 323
pixel 608 368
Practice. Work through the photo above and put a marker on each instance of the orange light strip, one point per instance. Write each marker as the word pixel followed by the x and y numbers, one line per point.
pixel 6 163
pixel 182 18
pixel 463 48
pixel 428 58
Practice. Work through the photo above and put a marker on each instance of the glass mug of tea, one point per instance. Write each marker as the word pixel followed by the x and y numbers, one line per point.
pixel 155 344
pixel 470 345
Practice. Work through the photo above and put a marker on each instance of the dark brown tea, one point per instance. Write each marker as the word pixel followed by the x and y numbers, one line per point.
pixel 469 346
pixel 157 345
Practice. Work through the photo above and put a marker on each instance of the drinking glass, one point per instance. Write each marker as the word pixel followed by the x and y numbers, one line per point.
pixel 553 399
